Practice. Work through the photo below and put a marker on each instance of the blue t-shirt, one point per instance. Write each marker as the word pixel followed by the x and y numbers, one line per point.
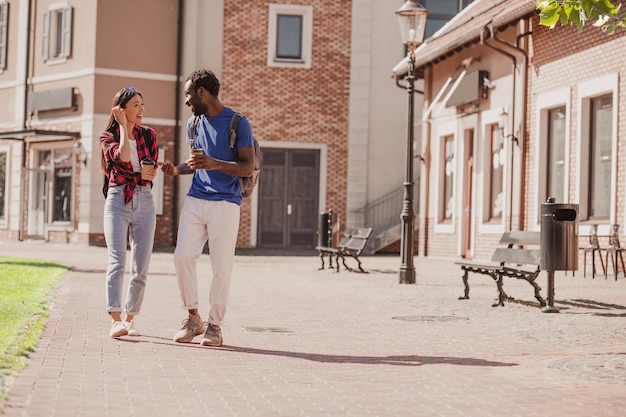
pixel 212 137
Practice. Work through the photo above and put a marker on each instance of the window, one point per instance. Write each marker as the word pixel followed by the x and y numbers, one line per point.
pixel 440 12
pixel 597 171
pixel 57 163
pixel 496 173
pixel 448 178
pixel 556 156
pixel 3 186
pixel 57 33
pixel 289 36
pixel 554 176
pixel 4 26
pixel 600 157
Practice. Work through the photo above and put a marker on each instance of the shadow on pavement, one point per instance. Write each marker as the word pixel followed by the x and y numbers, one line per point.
pixel 401 360
pixel 396 360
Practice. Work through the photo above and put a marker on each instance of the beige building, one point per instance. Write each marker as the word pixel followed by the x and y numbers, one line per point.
pixel 330 119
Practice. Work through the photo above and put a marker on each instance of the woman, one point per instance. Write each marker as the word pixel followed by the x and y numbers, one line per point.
pixel 129 207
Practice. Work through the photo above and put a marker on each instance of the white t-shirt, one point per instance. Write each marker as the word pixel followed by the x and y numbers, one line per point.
pixel 134 157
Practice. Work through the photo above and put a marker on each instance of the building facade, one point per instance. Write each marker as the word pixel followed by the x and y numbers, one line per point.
pixel 62 62
pixel 330 119
pixel 514 113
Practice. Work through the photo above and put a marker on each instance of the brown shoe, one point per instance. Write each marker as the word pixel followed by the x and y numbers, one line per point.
pixel 192 327
pixel 213 336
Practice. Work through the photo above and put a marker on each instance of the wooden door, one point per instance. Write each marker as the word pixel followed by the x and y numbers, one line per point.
pixel 289 198
pixel 467 230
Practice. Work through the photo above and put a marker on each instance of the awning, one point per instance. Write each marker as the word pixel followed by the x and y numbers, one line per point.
pixel 24 135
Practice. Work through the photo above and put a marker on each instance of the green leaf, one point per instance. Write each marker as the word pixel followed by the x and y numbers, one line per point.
pixel 606 7
pixel 564 18
pixel 575 19
pixel 550 16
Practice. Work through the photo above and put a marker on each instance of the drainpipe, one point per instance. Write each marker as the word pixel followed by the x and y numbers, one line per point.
pixel 179 54
pixel 483 41
pixel 522 145
pixel 29 50
pixel 525 136
pixel 30 12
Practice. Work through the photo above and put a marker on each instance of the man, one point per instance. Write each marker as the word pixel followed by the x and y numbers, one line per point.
pixel 212 206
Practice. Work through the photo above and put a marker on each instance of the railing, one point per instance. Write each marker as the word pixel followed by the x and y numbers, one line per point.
pixel 383 212
pixel 383 216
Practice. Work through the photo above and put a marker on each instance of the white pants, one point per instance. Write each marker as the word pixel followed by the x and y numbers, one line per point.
pixel 217 222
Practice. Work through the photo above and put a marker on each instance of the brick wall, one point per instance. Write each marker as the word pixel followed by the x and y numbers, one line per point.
pixel 287 104
pixel 564 58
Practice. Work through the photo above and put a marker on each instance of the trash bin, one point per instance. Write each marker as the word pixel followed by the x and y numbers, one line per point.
pixel 325 230
pixel 559 243
pixel 559 236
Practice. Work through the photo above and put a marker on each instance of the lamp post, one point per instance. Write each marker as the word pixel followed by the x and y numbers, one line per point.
pixel 412 20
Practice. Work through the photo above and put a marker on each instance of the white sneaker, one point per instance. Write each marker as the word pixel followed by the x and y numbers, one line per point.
pixel 130 326
pixel 118 329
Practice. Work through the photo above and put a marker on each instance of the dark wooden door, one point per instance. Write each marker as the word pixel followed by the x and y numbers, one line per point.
pixel 288 198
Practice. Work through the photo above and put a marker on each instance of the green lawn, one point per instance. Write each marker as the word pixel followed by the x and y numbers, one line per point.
pixel 25 289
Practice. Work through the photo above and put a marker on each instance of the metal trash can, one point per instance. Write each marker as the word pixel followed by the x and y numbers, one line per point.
pixel 325 230
pixel 559 236
pixel 559 243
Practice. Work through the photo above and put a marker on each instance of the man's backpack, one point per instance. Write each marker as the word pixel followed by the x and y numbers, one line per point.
pixel 247 183
pixel 148 138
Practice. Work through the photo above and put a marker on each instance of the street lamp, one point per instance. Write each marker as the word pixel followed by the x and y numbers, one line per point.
pixel 412 19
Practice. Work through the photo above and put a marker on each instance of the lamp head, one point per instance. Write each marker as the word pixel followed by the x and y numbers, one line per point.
pixel 412 20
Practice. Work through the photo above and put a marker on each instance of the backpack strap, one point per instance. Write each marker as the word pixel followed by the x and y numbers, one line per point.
pixel 233 129
pixel 192 132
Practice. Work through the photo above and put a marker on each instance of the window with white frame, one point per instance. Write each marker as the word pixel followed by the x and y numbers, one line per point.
pixel 57 33
pixel 600 157
pixel 4 31
pixel 290 30
pixel 3 186
pixel 58 165
pixel 597 129
pixel 496 173
pixel 554 175
pixel 447 183
pixel 555 161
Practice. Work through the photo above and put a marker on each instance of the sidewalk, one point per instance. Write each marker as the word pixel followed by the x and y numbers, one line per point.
pixel 304 342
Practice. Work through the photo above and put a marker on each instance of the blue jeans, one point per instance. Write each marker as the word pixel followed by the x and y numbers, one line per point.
pixel 138 218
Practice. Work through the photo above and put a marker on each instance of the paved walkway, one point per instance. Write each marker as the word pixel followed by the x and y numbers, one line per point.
pixel 304 342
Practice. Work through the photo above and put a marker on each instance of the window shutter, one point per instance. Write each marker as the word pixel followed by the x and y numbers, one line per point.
pixel 4 20
pixel 45 49
pixel 66 40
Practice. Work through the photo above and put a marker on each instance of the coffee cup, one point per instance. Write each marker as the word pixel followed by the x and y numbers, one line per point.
pixel 147 168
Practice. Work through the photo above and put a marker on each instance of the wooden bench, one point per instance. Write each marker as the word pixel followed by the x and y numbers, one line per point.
pixel 351 244
pixel 510 261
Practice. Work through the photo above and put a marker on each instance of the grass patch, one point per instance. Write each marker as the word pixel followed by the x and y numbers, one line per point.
pixel 25 287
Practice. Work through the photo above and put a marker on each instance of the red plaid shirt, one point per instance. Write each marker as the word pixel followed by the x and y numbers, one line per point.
pixel 120 172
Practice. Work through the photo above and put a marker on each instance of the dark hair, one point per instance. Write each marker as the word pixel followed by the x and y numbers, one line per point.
pixel 121 99
pixel 207 79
